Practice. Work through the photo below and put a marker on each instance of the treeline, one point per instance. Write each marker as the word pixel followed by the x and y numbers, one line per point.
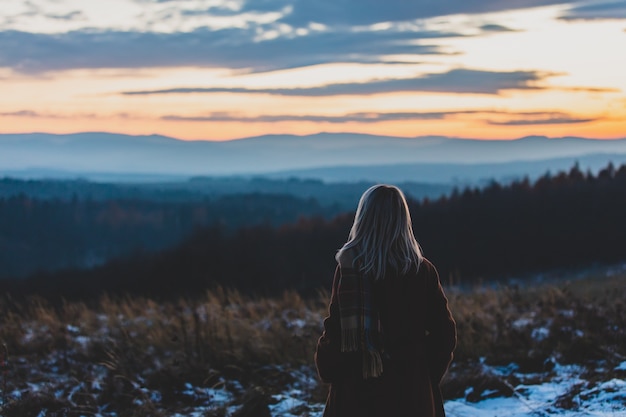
pixel 342 195
pixel 570 219
pixel 566 220
pixel 47 225
pixel 52 234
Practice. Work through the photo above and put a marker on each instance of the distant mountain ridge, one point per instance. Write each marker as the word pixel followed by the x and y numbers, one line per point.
pixel 312 156
pixel 455 173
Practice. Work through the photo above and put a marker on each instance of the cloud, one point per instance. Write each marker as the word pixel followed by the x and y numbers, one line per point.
pixel 305 33
pixel 363 117
pixel 365 12
pixel 21 113
pixel 516 118
pixel 589 89
pixel 613 9
pixel 75 15
pixel 547 119
pixel 213 12
pixel 32 114
pixel 457 81
pixel 462 81
pixel 226 48
pixel 511 118
pixel 494 28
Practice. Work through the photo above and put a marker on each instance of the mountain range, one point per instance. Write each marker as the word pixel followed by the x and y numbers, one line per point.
pixel 326 156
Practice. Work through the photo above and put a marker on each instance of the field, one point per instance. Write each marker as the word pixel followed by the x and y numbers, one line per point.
pixel 556 347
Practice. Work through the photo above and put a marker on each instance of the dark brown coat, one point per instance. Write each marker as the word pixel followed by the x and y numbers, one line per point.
pixel 419 338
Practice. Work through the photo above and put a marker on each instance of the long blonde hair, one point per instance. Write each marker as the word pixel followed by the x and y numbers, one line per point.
pixel 382 234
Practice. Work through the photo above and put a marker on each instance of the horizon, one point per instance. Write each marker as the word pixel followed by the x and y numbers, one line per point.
pixel 328 156
pixel 227 70
pixel 320 133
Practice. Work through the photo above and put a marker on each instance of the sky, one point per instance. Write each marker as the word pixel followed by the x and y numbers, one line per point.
pixel 226 69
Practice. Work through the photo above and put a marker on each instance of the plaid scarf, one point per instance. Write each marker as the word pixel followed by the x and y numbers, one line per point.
pixel 360 320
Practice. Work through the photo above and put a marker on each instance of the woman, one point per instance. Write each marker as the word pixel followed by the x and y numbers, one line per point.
pixel 389 336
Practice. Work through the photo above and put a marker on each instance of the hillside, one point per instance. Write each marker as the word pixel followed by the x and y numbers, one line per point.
pixel 501 232
pixel 551 350
pixel 114 156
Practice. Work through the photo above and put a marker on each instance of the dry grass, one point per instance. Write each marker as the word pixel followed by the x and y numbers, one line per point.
pixel 571 321
pixel 123 352
pixel 139 357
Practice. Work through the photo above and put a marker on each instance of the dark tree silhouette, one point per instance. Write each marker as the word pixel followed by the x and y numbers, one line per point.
pixel 563 220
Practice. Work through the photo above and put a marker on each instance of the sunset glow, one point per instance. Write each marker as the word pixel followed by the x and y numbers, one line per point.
pixel 221 69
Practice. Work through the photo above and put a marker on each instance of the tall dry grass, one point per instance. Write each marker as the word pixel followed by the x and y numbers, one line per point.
pixel 139 355
pixel 567 320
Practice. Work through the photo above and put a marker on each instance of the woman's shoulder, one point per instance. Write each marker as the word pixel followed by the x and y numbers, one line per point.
pixel 345 258
pixel 427 268
pixel 426 263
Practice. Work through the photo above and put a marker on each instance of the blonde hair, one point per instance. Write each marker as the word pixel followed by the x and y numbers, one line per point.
pixel 382 234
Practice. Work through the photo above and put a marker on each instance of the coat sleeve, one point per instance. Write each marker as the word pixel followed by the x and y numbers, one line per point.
pixel 328 350
pixel 440 327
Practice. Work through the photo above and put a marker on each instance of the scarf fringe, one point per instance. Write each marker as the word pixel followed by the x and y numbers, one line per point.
pixel 350 341
pixel 359 319
pixel 372 364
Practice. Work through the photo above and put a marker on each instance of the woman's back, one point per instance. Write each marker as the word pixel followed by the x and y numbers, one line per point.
pixel 389 335
pixel 418 337
pixel 401 299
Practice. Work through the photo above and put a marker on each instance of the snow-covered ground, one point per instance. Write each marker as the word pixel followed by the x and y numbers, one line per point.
pixel 565 395
pixel 605 399
pixel 107 365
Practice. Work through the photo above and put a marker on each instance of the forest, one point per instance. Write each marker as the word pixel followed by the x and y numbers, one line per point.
pixel 52 234
pixel 496 233
pixel 53 224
